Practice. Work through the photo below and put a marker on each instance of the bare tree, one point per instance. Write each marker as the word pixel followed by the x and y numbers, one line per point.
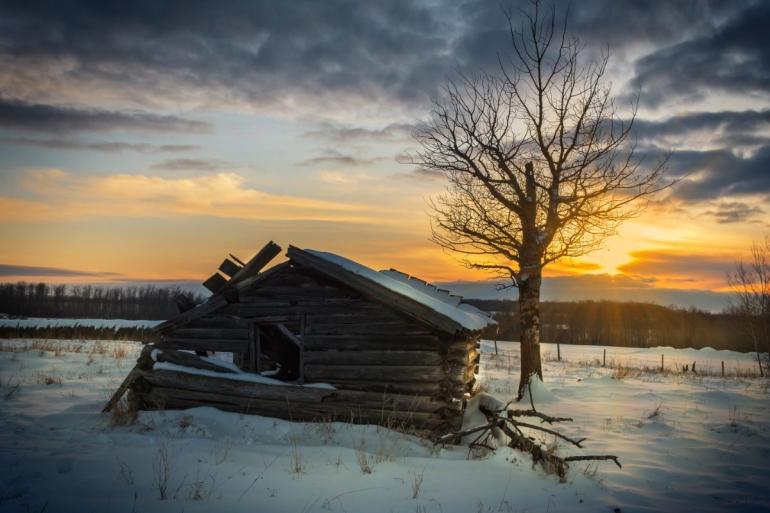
pixel 751 291
pixel 539 165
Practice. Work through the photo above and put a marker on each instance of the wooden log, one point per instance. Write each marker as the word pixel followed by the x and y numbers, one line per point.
pixel 210 333
pixel 366 357
pixel 188 360
pixel 414 373
pixel 200 344
pixel 168 398
pixel 297 394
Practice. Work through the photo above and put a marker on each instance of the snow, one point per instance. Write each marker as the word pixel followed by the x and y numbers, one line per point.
pixel 687 443
pixel 41 322
pixel 470 320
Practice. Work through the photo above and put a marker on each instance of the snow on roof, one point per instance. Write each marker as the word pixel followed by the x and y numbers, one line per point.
pixel 427 288
pixel 471 318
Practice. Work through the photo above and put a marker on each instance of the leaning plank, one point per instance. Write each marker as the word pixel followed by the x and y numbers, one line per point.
pixel 135 373
pixel 260 260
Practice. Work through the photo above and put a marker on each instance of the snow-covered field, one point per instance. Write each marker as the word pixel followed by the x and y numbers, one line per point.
pixel 42 322
pixel 687 443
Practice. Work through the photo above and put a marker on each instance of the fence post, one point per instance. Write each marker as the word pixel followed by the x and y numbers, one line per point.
pixel 723 368
pixel 558 351
pixel 661 363
pixel 604 358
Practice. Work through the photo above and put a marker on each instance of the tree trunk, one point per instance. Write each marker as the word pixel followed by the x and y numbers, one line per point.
pixel 529 318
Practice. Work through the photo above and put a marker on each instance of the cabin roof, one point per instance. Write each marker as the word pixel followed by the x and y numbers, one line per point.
pixel 397 290
pixel 407 294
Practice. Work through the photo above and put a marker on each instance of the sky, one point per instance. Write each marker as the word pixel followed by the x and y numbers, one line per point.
pixel 143 141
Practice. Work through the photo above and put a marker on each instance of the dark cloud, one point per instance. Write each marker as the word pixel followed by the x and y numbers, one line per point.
pixel 337 158
pixel 189 165
pixel 735 212
pixel 738 126
pixel 107 147
pixel 25 270
pixel 420 173
pixel 394 132
pixel 263 51
pixel 734 57
pixel 717 174
pixel 20 115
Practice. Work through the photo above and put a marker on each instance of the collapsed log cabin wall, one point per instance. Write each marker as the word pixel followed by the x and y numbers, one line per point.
pixel 387 367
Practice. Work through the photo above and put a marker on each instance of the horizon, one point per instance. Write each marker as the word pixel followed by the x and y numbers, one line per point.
pixel 146 146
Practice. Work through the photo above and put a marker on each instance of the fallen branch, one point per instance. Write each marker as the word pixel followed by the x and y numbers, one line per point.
pixel 505 420
pixel 595 457
pixel 533 413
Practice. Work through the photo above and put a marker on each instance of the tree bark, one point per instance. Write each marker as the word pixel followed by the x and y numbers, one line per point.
pixel 529 318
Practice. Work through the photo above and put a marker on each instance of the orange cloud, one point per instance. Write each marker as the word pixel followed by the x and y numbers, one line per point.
pixel 60 195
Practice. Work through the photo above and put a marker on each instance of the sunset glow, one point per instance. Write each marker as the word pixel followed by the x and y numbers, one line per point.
pixel 107 181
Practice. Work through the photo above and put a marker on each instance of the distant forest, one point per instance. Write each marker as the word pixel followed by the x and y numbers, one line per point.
pixel 612 323
pixel 585 322
pixel 147 302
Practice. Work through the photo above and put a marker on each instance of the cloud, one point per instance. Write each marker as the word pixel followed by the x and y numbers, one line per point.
pixel 54 195
pixel 20 115
pixel 717 174
pixel 598 287
pixel 189 165
pixel 734 57
pixel 106 147
pixel 335 158
pixel 8 270
pixel 727 129
pixel 735 212
pixel 393 132
pixel 670 266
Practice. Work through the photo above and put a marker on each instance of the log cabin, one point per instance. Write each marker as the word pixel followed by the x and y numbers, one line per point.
pixel 317 337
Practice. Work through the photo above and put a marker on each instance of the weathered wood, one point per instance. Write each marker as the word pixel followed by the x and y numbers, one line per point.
pixel 376 292
pixel 168 398
pixel 372 342
pixel 188 360
pixel 210 333
pixel 257 262
pixel 415 373
pixel 125 385
pixel 215 282
pixel 296 394
pixel 212 304
pixel 388 357
pixel 204 344
pixel 229 268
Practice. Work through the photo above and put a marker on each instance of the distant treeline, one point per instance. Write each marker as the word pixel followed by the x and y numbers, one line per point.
pixel 623 324
pixel 89 301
